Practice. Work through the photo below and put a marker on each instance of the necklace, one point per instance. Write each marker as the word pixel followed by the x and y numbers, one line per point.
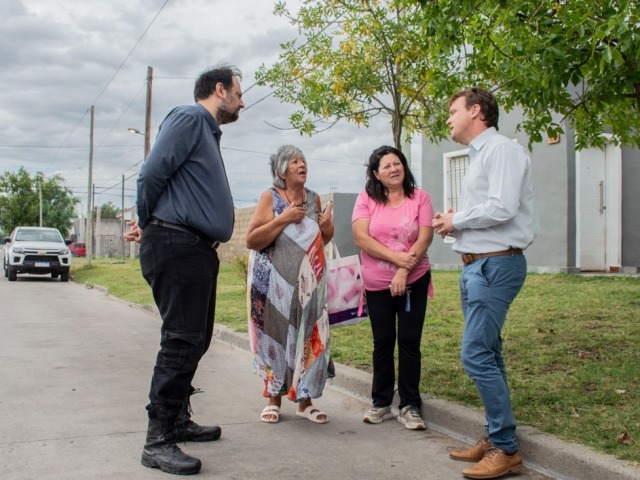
pixel 304 198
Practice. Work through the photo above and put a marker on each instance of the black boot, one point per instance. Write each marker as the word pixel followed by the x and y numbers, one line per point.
pixel 161 450
pixel 187 430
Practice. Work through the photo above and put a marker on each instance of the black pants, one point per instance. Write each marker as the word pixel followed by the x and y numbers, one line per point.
pixel 383 312
pixel 182 271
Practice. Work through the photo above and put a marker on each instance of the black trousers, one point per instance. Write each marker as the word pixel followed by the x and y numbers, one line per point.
pixel 182 271
pixel 390 320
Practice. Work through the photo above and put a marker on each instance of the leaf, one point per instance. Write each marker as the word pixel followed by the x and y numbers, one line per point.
pixel 625 438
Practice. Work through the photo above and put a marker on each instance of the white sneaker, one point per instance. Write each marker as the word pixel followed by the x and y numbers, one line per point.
pixel 409 416
pixel 377 415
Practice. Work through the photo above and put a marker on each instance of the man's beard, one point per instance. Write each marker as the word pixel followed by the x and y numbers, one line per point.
pixel 227 116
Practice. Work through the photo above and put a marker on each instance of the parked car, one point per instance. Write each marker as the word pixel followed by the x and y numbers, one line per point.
pixel 78 249
pixel 36 250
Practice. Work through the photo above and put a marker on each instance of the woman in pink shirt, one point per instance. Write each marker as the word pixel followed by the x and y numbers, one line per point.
pixel 392 226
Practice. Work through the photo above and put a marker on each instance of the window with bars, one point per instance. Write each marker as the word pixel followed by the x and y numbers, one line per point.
pixel 455 167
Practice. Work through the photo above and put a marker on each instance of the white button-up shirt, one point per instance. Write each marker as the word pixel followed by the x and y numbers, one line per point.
pixel 497 208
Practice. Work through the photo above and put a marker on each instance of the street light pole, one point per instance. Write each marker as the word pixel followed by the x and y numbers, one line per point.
pixel 89 227
pixel 40 199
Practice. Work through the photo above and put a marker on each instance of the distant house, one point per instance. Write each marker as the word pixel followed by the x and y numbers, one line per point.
pixel 107 235
pixel 588 202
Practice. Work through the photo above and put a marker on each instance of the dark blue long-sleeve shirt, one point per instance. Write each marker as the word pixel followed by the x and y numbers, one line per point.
pixel 183 180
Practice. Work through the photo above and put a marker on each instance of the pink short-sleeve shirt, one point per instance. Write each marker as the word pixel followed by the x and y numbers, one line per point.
pixel 396 228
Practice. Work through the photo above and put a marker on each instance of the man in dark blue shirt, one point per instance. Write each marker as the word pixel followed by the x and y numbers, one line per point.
pixel 185 210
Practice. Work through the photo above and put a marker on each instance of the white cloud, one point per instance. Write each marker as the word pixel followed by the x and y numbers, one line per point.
pixel 58 57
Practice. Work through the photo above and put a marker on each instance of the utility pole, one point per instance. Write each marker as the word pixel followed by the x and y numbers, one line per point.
pixel 147 140
pixel 147 116
pixel 122 217
pixel 40 199
pixel 89 229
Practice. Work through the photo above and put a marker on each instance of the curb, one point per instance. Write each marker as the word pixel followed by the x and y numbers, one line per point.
pixel 543 453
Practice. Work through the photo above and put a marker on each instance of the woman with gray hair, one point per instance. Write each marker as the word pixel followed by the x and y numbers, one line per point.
pixel 288 320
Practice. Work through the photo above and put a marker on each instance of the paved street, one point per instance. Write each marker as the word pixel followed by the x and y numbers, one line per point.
pixel 75 367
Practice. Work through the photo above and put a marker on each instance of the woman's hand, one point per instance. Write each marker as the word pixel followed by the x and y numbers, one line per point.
pixel 293 214
pixel 324 221
pixel 398 285
pixel 406 260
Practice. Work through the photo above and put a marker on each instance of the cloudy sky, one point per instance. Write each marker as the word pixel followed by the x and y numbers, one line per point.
pixel 61 57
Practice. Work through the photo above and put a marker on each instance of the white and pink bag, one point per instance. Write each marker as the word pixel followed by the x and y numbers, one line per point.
pixel 345 291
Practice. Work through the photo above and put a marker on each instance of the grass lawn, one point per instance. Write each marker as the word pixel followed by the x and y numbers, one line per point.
pixel 571 344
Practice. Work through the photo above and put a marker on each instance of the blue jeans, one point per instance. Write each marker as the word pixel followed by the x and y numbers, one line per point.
pixel 487 288
pixel 182 271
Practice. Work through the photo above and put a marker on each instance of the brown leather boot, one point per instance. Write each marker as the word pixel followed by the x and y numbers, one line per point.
pixel 473 454
pixel 495 463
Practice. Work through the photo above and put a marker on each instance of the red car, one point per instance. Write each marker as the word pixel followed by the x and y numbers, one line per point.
pixel 78 249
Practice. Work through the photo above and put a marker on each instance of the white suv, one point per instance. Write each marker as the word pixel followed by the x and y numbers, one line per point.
pixel 37 250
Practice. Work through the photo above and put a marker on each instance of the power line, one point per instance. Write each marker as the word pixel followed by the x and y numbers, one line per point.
pixel 108 83
pixel 125 110
pixel 130 52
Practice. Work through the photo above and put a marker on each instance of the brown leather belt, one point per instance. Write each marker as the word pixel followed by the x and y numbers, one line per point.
pixel 182 228
pixel 468 258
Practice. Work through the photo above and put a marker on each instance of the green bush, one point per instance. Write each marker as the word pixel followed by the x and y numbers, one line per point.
pixel 241 268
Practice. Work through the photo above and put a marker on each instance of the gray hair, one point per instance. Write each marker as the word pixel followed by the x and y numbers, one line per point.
pixel 279 162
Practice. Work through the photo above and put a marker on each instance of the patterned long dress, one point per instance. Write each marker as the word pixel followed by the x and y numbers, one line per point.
pixel 288 320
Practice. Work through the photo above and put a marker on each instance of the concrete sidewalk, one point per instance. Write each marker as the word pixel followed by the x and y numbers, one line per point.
pixel 542 453
pixel 75 366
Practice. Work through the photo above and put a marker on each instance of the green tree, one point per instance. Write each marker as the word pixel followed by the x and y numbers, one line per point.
pixel 564 62
pixel 20 201
pixel 359 59
pixel 109 210
pixel 574 60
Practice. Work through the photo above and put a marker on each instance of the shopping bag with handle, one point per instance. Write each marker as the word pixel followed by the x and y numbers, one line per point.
pixel 345 291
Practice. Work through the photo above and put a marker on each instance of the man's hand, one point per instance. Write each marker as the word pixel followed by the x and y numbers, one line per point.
pixel 443 223
pixel 135 233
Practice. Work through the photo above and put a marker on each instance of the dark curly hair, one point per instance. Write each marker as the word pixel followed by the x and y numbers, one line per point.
pixel 207 81
pixel 374 187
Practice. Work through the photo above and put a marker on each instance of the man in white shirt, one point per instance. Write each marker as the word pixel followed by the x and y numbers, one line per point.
pixel 495 224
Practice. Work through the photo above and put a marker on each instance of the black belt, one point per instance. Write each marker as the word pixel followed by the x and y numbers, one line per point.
pixel 468 258
pixel 182 228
